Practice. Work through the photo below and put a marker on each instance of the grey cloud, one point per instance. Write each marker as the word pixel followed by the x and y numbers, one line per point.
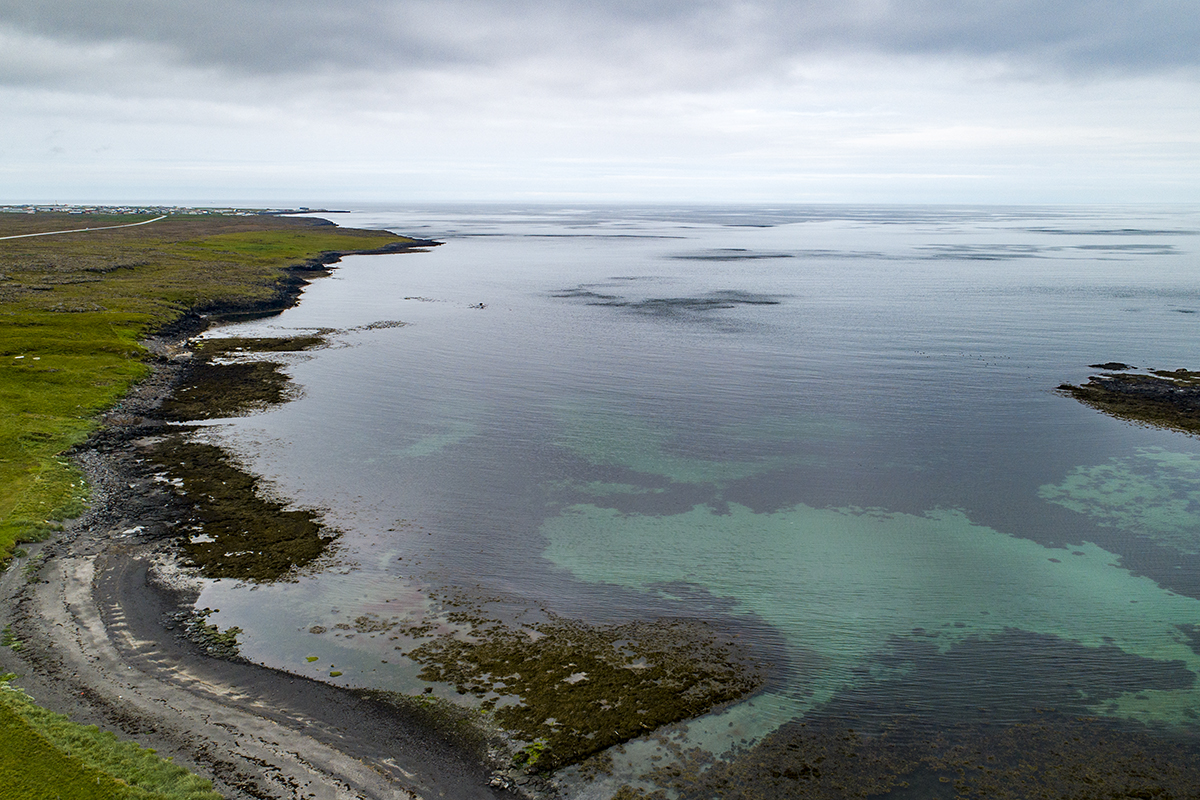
pixel 242 36
pixel 1078 34
pixel 297 36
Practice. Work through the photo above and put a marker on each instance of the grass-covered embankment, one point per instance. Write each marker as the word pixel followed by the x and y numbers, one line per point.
pixel 44 754
pixel 73 311
pixel 74 307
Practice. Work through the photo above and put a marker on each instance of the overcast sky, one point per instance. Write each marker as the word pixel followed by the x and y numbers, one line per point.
pixel 307 102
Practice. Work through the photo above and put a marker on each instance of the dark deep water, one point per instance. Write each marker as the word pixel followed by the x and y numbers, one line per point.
pixel 836 426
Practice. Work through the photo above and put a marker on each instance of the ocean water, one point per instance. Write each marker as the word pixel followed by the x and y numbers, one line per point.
pixel 834 427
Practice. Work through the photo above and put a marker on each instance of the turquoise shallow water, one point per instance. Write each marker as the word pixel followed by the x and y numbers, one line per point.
pixel 834 427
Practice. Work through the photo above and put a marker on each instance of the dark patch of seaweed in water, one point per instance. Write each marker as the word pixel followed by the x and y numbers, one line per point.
pixel 229 529
pixel 216 348
pixel 729 254
pixel 824 759
pixel 581 688
pixel 213 390
pixel 671 306
pixel 1023 732
pixel 1165 399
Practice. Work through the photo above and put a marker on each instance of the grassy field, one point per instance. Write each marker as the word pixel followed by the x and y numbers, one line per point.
pixel 46 755
pixel 73 309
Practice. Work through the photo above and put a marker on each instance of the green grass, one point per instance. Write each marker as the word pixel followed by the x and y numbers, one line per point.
pixel 32 768
pixel 45 755
pixel 73 310
pixel 57 371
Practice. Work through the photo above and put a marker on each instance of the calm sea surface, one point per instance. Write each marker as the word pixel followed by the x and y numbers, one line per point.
pixel 835 425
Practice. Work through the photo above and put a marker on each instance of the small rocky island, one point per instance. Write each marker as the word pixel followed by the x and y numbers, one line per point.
pixel 1166 399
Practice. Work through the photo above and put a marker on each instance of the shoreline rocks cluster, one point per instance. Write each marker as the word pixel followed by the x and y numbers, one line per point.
pixel 1163 398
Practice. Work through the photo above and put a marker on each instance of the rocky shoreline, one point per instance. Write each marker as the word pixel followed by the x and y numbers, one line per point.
pixel 108 633
pixel 1163 398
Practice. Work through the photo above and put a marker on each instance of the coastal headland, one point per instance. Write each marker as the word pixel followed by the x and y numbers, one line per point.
pixel 94 325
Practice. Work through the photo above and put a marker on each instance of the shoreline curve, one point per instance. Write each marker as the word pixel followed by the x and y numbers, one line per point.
pixel 97 646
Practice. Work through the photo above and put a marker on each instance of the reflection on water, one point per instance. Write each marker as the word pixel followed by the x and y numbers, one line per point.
pixel 832 431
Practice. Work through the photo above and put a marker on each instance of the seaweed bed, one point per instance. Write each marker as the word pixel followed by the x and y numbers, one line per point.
pixel 669 306
pixel 231 530
pixel 578 688
pixel 227 527
pixel 213 387
pixel 919 736
pixel 823 759
pixel 1167 399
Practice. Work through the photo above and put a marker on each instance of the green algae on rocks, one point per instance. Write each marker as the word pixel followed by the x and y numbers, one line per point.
pixel 1166 399
pixel 214 641
pixel 570 690
pixel 229 529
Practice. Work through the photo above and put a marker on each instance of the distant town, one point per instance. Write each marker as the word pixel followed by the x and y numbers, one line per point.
pixel 75 209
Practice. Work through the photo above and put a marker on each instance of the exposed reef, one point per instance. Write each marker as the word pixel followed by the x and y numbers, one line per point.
pixel 1165 399
pixel 213 387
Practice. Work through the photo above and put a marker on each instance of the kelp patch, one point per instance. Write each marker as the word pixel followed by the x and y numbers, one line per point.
pixel 570 690
pixel 214 386
pixel 229 529
pixel 232 345
pixel 670 306
pixel 1166 399
pixel 1024 732
pixel 826 759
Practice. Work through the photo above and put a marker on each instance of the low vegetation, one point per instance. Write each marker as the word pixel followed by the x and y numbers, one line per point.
pixel 43 749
